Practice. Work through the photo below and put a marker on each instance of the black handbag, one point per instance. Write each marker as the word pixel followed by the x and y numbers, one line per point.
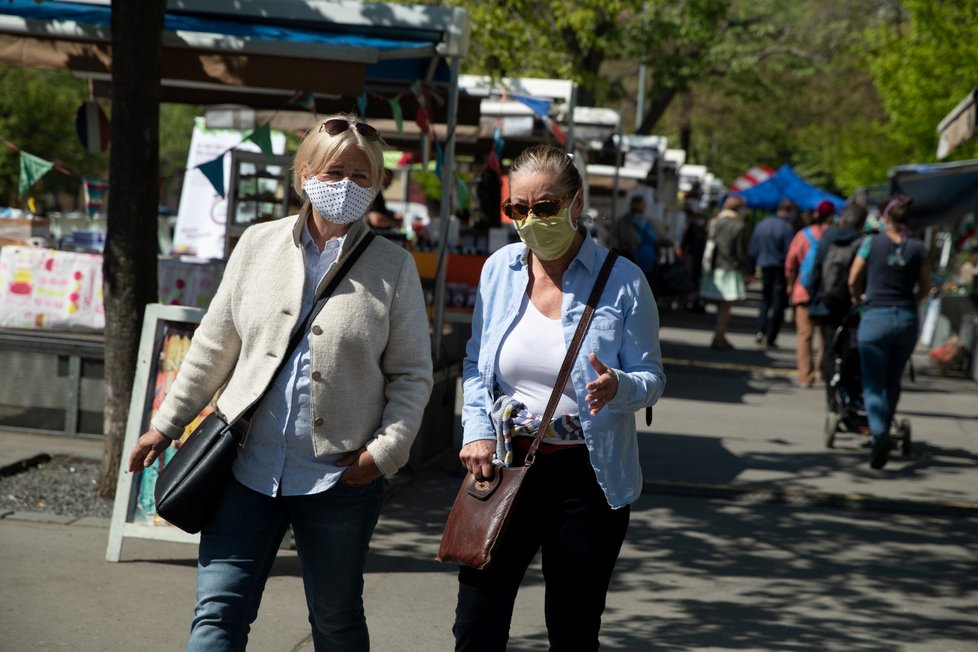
pixel 482 508
pixel 190 485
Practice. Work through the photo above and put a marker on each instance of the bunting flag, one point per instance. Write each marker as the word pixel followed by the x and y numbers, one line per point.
pixel 556 131
pixel 214 171
pixel 439 159
pixel 95 190
pixel 462 192
pixel 541 107
pixel 92 127
pixel 362 104
pixel 303 100
pixel 262 136
pixel 498 142
pixel 398 114
pixel 32 168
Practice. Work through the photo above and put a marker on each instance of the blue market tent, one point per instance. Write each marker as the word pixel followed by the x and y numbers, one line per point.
pixel 942 193
pixel 786 184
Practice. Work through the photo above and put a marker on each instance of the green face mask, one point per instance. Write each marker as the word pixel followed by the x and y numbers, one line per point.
pixel 548 239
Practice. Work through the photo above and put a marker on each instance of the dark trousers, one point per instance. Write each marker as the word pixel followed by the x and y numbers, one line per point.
pixel 563 512
pixel 774 300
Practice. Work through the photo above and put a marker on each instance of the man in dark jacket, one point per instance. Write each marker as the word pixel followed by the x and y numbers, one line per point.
pixel 768 249
pixel 830 305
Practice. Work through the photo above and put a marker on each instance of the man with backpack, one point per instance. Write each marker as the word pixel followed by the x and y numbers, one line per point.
pixel 798 268
pixel 828 286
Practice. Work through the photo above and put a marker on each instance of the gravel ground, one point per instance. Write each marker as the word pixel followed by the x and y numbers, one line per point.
pixel 63 486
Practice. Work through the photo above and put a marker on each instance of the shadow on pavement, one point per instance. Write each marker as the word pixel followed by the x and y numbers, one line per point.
pixel 765 577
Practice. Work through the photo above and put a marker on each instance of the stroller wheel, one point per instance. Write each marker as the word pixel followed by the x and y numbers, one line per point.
pixel 906 447
pixel 831 426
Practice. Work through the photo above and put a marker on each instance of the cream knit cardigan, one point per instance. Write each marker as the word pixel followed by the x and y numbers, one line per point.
pixel 370 346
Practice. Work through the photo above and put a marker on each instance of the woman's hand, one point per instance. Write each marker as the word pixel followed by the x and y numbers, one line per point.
pixel 603 388
pixel 477 456
pixel 361 468
pixel 148 448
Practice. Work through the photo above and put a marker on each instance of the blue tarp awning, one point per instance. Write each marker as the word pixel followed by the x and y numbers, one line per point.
pixel 786 184
pixel 942 193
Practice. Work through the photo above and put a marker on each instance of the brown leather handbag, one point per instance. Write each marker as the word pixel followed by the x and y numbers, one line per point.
pixel 482 507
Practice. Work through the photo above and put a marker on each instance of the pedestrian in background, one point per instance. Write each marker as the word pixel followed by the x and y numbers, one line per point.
pixel 337 419
pixel 829 284
pixel 795 266
pixel 890 276
pixel 768 250
pixel 574 505
pixel 730 270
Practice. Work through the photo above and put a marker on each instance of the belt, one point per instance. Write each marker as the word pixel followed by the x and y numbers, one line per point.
pixel 523 444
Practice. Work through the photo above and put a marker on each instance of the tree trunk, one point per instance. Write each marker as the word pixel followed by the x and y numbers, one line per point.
pixel 661 97
pixel 129 263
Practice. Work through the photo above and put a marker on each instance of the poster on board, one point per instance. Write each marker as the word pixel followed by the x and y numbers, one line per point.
pixel 165 339
pixel 202 213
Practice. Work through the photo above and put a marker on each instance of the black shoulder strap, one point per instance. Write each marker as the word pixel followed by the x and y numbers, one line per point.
pixel 300 332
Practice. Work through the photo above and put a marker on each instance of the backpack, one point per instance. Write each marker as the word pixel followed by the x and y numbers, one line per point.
pixel 835 273
pixel 805 272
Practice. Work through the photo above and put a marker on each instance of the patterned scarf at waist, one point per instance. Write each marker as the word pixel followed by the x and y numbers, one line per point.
pixel 510 418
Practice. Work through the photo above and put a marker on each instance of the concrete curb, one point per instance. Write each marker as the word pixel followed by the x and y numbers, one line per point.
pixel 807 497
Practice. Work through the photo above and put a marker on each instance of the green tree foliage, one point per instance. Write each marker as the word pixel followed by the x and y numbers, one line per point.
pixel 923 56
pixel 37 113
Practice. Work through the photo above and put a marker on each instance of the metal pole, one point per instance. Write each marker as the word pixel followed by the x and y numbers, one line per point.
pixel 570 120
pixel 640 100
pixel 614 192
pixel 447 188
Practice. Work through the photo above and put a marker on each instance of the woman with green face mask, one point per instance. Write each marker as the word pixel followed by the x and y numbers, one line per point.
pixel 574 505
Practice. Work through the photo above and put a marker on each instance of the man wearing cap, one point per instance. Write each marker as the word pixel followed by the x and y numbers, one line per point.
pixel 806 239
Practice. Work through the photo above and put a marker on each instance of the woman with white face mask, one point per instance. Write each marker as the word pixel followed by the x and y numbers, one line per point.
pixel 327 426
pixel 573 506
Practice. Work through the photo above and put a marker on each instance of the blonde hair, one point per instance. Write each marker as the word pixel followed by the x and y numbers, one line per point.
pixel 548 159
pixel 734 203
pixel 319 149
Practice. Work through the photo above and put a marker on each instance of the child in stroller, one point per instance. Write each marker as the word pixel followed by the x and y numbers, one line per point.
pixel 845 411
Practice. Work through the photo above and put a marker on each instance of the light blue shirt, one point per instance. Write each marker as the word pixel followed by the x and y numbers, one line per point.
pixel 278 457
pixel 624 334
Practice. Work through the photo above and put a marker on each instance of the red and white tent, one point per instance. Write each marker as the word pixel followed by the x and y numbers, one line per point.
pixel 752 177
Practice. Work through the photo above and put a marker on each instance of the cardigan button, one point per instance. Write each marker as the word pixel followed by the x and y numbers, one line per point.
pixel 317 375
pixel 316 330
pixel 318 422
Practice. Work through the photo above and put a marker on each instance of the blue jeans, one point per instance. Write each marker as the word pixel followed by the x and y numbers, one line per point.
pixel 237 548
pixel 887 337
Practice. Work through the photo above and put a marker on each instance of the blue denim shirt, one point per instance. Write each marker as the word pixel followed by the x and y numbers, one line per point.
pixel 624 334
pixel 278 459
pixel 770 241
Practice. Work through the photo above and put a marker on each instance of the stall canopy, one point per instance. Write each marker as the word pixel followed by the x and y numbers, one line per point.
pixel 942 193
pixel 786 184
pixel 957 126
pixel 257 53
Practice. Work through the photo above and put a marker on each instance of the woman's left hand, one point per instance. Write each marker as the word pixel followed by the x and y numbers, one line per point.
pixel 361 469
pixel 603 388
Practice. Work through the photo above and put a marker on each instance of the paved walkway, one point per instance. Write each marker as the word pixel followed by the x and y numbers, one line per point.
pixel 798 547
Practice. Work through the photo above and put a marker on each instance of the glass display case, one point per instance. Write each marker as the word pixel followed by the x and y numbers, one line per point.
pixel 260 191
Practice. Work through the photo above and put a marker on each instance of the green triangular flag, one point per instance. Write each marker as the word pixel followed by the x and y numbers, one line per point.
pixel 214 171
pixel 32 168
pixel 262 136
pixel 397 114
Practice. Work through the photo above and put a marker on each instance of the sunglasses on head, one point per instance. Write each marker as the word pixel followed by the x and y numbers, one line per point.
pixel 339 125
pixel 542 209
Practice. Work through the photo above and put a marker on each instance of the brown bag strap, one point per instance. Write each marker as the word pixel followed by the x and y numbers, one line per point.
pixel 572 351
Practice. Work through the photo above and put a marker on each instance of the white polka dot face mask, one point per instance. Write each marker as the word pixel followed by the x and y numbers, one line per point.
pixel 342 202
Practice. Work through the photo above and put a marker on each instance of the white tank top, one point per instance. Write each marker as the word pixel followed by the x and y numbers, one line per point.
pixel 529 360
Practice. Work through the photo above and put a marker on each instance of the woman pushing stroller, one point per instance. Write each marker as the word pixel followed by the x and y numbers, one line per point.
pixel 890 275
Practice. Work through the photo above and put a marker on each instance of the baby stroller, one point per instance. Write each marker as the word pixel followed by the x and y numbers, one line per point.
pixel 845 411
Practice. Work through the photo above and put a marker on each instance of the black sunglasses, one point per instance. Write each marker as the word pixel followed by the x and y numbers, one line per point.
pixel 542 209
pixel 339 125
